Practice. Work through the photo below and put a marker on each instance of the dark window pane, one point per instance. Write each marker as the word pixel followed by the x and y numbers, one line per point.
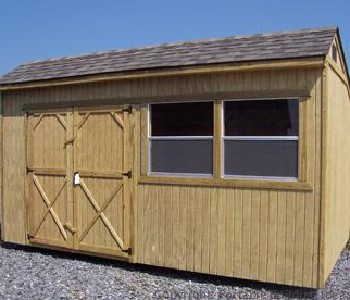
pixel 182 156
pixel 261 158
pixel 335 53
pixel 262 118
pixel 182 119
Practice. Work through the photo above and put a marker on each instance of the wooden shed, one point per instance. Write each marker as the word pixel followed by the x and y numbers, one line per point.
pixel 222 156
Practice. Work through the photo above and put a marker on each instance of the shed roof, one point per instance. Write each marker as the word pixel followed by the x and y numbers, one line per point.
pixel 304 43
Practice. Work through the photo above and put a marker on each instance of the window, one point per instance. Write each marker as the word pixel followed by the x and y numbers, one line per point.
pixel 334 53
pixel 181 138
pixel 261 138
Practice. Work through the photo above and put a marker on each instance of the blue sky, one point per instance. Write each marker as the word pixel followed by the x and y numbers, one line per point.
pixel 41 29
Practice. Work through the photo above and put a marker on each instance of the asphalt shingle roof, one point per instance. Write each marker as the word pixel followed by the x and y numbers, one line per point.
pixel 303 43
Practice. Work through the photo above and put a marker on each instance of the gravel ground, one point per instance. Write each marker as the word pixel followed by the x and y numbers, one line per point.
pixel 28 273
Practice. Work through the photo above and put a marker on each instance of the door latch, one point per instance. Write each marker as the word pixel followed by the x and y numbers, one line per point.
pixel 76 179
pixel 69 141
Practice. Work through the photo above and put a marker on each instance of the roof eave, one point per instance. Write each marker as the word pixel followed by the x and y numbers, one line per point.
pixel 312 61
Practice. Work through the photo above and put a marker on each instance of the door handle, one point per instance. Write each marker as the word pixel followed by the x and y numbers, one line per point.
pixel 76 179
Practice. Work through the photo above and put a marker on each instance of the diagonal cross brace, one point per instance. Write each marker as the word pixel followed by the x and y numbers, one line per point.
pixel 49 207
pixel 83 120
pixel 38 121
pixel 117 119
pixel 58 116
pixel 61 120
pixel 101 214
pixel 48 204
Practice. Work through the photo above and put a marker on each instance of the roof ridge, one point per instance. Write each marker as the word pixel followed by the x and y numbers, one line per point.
pixel 180 43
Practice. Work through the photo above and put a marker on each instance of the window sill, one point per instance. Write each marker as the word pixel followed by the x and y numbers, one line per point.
pixel 226 182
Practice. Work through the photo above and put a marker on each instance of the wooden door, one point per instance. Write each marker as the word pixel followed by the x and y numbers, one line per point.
pixel 49 169
pixel 102 175
pixel 78 174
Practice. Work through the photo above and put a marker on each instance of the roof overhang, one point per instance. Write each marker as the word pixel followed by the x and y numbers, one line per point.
pixel 311 62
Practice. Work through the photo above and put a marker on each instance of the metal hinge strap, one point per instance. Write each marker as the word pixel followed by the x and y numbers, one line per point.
pixel 129 251
pixel 128 109
pixel 129 174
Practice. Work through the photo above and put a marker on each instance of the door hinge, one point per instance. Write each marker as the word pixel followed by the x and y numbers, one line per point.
pixel 128 109
pixel 129 174
pixel 129 251
pixel 29 236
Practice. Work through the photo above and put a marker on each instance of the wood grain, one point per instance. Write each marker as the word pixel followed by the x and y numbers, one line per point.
pixel 263 230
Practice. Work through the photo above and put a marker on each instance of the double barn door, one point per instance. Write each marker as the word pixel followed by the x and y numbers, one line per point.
pixel 78 175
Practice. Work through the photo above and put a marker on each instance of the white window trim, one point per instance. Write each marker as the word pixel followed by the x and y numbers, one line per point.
pixel 254 138
pixel 261 138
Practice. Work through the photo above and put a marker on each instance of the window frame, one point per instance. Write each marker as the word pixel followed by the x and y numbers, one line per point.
pixel 176 138
pixel 224 138
pixel 217 180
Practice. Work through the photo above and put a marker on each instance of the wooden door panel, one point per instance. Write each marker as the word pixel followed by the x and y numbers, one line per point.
pixel 99 142
pixel 101 221
pixel 47 184
pixel 93 215
pixel 49 215
pixel 102 195
pixel 48 137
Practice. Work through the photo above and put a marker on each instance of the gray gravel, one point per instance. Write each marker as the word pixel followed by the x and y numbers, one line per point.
pixel 40 274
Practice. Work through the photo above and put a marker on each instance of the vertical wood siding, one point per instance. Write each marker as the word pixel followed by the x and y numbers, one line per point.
pixel 268 235
pixel 14 173
pixel 268 240
pixel 337 172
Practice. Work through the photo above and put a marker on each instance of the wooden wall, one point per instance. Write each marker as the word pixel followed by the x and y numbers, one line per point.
pixel 336 167
pixel 249 233
pixel 14 171
pixel 0 158
pixel 264 235
pixel 268 235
